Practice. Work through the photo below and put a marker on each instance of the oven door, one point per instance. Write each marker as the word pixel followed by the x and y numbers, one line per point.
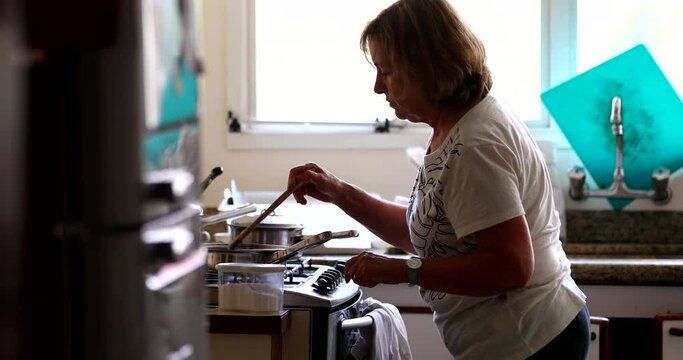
pixel 350 333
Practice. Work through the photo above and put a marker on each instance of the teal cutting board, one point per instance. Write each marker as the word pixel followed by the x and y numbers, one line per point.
pixel 652 115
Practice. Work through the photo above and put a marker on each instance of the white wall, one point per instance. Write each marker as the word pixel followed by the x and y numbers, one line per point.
pixel 385 172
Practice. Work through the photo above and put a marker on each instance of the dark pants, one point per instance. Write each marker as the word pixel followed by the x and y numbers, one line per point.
pixel 572 343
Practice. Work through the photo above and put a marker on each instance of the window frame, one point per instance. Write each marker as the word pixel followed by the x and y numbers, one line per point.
pixel 558 63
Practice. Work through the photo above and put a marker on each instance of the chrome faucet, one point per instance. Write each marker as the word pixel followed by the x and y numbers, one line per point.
pixel 661 193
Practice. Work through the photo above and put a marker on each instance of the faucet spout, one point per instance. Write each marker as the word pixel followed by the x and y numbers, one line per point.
pixel 661 193
pixel 618 131
pixel 615 116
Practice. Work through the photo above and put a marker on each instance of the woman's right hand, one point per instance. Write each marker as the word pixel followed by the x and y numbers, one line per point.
pixel 316 182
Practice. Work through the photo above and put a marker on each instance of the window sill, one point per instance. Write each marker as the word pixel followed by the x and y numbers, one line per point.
pixel 352 138
pixel 340 139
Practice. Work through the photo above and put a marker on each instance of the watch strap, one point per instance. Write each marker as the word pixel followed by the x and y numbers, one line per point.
pixel 413 264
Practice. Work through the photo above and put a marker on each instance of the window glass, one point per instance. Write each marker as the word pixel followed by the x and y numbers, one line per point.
pixel 511 32
pixel 607 28
pixel 309 66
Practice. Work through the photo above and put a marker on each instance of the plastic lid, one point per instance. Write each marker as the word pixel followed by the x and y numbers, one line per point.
pixel 274 221
pixel 250 268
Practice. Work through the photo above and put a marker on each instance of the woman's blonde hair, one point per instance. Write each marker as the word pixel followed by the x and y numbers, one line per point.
pixel 432 46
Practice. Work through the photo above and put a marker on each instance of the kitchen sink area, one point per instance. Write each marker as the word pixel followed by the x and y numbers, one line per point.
pixel 625 247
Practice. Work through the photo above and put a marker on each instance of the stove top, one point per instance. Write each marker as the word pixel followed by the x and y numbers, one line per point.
pixel 306 285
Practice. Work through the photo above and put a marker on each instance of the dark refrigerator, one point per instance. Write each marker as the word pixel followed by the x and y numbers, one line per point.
pixel 101 254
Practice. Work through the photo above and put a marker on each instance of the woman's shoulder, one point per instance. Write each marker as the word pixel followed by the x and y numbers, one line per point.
pixel 488 122
pixel 489 110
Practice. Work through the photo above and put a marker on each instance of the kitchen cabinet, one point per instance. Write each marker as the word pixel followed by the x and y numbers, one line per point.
pixel 599 340
pixel 425 341
pixel 424 338
pixel 228 346
pixel 258 337
pixel 669 336
pixel 630 309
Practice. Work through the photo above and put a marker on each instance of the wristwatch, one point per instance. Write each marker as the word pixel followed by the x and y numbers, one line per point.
pixel 414 264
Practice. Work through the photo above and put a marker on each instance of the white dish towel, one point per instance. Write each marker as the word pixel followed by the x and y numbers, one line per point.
pixel 390 340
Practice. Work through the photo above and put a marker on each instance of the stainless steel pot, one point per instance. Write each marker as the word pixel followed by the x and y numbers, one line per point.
pixel 264 254
pixel 219 253
pixel 273 230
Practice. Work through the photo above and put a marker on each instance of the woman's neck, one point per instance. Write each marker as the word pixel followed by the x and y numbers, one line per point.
pixel 446 118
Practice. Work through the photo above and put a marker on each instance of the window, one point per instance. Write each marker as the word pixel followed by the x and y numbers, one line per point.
pixel 297 63
pixel 608 28
pixel 309 50
pixel 511 33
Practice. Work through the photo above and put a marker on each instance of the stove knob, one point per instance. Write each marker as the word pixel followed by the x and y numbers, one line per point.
pixel 331 279
pixel 322 285
pixel 340 266
pixel 325 283
pixel 335 275
pixel 338 274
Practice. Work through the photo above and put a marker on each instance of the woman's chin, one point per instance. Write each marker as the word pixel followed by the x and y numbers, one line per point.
pixel 401 115
pixel 410 117
pixel 405 116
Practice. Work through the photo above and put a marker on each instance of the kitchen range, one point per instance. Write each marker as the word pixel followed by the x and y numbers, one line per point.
pixel 320 300
pixel 264 289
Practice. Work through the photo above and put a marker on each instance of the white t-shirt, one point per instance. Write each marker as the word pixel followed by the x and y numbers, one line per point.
pixel 489 170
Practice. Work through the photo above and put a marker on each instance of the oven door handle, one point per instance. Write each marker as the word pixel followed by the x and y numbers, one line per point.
pixel 357 323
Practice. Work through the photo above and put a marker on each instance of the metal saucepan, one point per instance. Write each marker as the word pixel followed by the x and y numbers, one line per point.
pixel 265 254
pixel 273 230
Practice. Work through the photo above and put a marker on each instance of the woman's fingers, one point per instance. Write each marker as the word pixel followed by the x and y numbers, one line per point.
pixel 354 267
pixel 369 269
pixel 297 175
pixel 317 183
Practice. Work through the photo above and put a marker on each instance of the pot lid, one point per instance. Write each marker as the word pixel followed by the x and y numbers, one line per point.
pixel 271 221
pixel 250 268
pixel 218 247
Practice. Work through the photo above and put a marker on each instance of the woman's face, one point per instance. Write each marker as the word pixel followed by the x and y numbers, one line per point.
pixel 406 98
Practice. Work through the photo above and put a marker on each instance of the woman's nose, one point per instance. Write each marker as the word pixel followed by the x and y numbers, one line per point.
pixel 379 86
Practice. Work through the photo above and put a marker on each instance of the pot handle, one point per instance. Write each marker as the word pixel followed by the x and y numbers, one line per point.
pixel 343 234
pixel 319 239
pixel 310 241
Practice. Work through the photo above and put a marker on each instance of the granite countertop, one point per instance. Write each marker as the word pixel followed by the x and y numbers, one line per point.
pixel 625 247
pixel 627 271
pixel 628 250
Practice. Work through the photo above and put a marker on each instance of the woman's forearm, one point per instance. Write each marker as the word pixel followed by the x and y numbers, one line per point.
pixel 384 218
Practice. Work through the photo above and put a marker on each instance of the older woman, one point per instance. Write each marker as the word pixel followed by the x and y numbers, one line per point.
pixel 481 216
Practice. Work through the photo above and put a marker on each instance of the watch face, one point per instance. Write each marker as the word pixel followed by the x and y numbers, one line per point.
pixel 414 263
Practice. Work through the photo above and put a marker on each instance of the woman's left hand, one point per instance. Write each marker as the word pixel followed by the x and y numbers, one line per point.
pixel 369 269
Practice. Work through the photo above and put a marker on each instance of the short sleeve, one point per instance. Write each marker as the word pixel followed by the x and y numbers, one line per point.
pixel 483 188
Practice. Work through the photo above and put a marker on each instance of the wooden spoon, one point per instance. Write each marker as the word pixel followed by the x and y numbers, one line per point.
pixel 263 215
